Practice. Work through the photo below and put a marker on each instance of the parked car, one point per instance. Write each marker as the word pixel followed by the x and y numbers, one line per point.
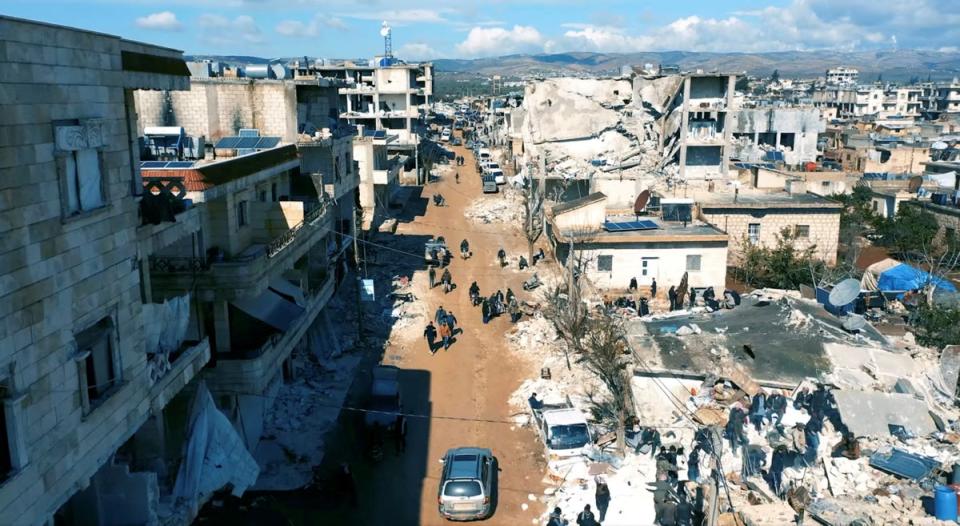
pixel 445 136
pixel 498 176
pixel 467 484
pixel 564 431
pixel 489 184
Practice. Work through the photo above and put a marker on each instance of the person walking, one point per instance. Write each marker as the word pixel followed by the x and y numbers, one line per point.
pixel 693 465
pixel 633 284
pixel 653 288
pixel 758 409
pixel 452 322
pixel 475 293
pixel 445 335
pixel 432 274
pixel 510 295
pixel 440 315
pixel 400 433
pixel 502 256
pixel 485 310
pixel 430 333
pixel 602 498
pixel 556 518
pixel 586 517
pixel 514 309
pixel 538 256
pixel 464 249
pixel 457 177
pixel 447 281
pixel 693 298
pixel 672 295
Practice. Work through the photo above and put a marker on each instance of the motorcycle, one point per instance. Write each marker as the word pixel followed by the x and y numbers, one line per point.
pixel 532 283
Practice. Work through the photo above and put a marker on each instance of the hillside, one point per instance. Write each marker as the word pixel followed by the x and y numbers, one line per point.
pixel 900 64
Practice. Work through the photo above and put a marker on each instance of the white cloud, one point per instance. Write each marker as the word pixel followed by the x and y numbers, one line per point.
pixel 221 31
pixel 417 51
pixel 315 27
pixel 401 17
pixel 162 21
pixel 486 41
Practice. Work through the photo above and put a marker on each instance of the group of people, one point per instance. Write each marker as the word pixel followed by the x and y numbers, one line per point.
pixel 496 304
pixel 445 279
pixel 586 517
pixel 459 160
pixel 447 324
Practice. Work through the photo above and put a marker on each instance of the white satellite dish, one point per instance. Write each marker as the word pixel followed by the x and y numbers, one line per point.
pixel 844 292
pixel 384 29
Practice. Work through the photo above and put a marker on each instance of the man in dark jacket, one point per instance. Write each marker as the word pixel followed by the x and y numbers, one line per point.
pixel 633 284
pixel 556 518
pixel 430 333
pixel 432 274
pixel 602 498
pixel 485 310
pixel 735 431
pixel 447 280
pixel 672 295
pixel 440 315
pixel 586 518
pixel 653 287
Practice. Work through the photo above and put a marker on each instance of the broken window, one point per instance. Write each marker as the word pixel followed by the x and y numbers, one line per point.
pixel 693 263
pixel 97 363
pixel 78 162
pixel 802 231
pixel 605 263
pixel 242 214
pixel 753 232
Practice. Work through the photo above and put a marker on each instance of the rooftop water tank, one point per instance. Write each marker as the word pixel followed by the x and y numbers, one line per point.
pixel 257 71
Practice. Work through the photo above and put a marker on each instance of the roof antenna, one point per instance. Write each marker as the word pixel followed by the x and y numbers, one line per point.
pixel 387 35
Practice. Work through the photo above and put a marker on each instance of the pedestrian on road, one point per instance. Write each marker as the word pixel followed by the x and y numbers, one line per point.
pixel 445 335
pixel 523 263
pixel 452 322
pixel 510 295
pixel 447 281
pixel 400 434
pixel 538 256
pixel 514 311
pixel 693 298
pixel 602 497
pixel 633 284
pixel 672 294
pixel 464 249
pixel 502 256
pixel 586 518
pixel 485 309
pixel 440 315
pixel 430 333
pixel 346 483
pixel 475 293
pixel 556 518
pixel 653 288
pixel 457 177
pixel 432 273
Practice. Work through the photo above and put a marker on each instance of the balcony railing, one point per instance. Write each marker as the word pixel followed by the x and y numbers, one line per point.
pixel 187 265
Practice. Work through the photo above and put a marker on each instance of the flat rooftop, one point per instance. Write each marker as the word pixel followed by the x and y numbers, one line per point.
pixel 764 200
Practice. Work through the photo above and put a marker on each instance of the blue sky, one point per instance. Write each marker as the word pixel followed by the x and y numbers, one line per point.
pixel 475 28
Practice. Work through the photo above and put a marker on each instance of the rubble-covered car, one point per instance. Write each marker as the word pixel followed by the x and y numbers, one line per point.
pixel 489 184
pixel 564 430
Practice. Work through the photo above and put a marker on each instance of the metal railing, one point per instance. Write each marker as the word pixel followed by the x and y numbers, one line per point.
pixel 178 265
pixel 286 238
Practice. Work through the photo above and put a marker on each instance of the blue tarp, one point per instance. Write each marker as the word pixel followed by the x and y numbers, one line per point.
pixel 904 277
pixel 904 465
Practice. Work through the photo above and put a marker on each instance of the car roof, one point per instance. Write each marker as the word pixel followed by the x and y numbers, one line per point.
pixel 464 462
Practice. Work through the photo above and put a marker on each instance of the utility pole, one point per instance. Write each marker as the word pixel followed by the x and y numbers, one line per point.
pixel 357 262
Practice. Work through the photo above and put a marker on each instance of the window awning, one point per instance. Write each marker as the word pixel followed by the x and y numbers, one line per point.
pixel 272 309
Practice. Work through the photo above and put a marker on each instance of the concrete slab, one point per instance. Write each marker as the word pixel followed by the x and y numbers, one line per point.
pixel 870 413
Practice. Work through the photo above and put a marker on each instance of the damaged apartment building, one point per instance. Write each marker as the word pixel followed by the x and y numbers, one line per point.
pixel 651 129
pixel 159 281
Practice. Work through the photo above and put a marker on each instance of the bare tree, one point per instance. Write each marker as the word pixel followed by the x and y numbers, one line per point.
pixel 532 212
pixel 565 307
pixel 606 356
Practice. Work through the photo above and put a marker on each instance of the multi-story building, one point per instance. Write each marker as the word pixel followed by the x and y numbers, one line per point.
pixel 948 97
pixel 89 390
pixel 705 130
pixel 378 173
pixel 843 76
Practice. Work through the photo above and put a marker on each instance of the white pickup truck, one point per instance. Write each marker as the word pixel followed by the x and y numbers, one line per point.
pixel 564 430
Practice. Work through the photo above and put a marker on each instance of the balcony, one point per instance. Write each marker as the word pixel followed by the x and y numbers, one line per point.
pixel 188 363
pixel 387 176
pixel 250 270
pixel 252 372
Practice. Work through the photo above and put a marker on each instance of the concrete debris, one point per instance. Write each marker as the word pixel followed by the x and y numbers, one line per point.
pixel 505 207
pixel 872 414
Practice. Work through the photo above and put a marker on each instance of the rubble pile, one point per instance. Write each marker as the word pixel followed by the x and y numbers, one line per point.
pixel 505 207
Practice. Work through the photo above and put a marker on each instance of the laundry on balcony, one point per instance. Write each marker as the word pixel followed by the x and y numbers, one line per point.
pixel 271 308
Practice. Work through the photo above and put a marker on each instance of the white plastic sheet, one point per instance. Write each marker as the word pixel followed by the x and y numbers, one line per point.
pixel 165 324
pixel 215 456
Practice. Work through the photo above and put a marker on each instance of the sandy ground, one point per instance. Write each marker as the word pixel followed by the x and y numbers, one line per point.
pixel 462 393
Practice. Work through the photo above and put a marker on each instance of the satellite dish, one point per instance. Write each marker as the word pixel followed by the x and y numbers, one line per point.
pixel 854 322
pixel 641 203
pixel 845 292
pixel 384 29
pixel 915 182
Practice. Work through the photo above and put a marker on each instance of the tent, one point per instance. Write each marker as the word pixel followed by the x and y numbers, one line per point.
pixel 872 273
pixel 904 277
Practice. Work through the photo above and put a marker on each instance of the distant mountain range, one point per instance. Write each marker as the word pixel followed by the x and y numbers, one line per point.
pixel 892 65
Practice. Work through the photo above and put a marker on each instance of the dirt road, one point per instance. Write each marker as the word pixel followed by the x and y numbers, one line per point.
pixel 462 393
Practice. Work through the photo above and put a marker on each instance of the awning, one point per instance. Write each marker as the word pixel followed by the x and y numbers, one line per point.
pixel 272 309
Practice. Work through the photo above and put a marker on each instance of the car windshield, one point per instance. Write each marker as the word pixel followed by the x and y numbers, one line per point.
pixel 462 488
pixel 569 436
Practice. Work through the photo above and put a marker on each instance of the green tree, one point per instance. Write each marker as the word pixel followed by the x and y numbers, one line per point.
pixel 912 230
pixel 782 266
pixel 775 77
pixel 743 84
pixel 856 219
pixel 937 325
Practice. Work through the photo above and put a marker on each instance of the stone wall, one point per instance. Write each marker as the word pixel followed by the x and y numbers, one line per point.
pixel 824 229
pixel 60 275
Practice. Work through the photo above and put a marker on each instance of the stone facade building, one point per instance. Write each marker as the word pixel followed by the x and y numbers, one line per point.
pixel 76 371
pixel 760 218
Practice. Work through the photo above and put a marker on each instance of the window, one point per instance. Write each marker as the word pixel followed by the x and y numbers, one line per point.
pixel 273 192
pixel 802 231
pixel 97 363
pixel 78 162
pixel 262 196
pixel 753 232
pixel 242 214
pixel 605 263
pixel 693 263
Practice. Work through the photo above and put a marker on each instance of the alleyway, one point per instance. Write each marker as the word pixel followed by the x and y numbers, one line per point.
pixel 464 390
